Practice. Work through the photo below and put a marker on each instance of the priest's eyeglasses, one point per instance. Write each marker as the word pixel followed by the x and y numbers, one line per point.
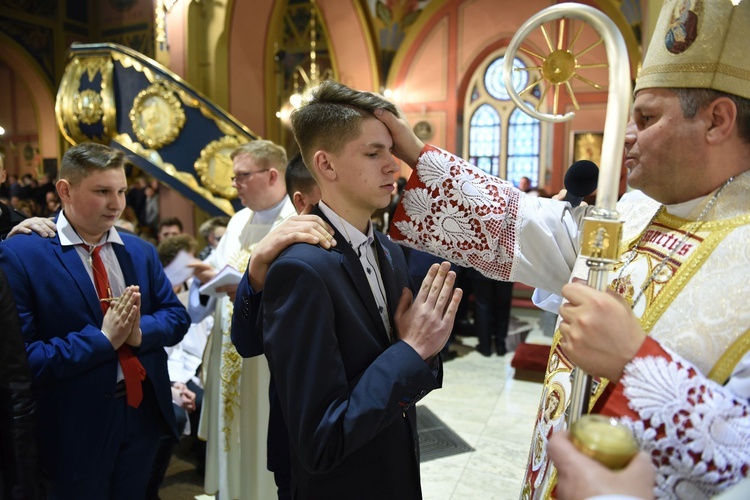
pixel 241 177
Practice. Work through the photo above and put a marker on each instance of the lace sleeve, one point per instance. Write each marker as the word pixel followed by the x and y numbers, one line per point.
pixel 456 211
pixel 696 431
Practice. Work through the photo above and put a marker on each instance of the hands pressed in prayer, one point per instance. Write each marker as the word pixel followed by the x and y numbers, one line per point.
pixel 425 323
pixel 120 319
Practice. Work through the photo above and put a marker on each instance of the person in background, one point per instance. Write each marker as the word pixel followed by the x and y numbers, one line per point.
pixel 183 364
pixel 136 198
pixel 151 209
pixel 234 420
pixel 9 216
pixel 300 184
pixel 19 470
pixel 52 205
pixel 492 304
pixel 95 334
pixel 168 227
pixel 303 191
pixel 212 231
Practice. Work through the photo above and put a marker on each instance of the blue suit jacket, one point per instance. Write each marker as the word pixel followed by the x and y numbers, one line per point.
pixel 347 393
pixel 73 365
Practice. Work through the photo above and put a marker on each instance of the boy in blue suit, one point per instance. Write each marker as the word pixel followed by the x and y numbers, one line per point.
pixel 350 351
pixel 96 311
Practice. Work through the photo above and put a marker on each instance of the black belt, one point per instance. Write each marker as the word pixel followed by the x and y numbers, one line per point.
pixel 120 389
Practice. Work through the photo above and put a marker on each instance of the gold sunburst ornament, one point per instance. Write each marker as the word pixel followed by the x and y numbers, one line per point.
pixel 561 65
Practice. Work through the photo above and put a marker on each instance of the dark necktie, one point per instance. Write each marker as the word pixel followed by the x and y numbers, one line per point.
pixel 132 368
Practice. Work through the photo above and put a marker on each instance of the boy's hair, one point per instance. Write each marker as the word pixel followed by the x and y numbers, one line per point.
pixel 84 159
pixel 207 227
pixel 170 247
pixel 266 154
pixel 171 221
pixel 333 116
pixel 298 177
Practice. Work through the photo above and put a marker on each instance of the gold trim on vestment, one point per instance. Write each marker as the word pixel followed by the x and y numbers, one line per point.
pixel 712 234
pixel 231 361
pixel 724 367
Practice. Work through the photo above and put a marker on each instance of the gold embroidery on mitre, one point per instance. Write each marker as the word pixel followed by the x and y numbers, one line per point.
pixel 699 44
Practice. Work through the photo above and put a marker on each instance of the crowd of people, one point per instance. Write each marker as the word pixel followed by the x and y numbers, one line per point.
pixel 302 376
pixel 29 195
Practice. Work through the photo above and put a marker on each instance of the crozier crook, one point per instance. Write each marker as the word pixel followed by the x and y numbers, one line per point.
pixel 600 239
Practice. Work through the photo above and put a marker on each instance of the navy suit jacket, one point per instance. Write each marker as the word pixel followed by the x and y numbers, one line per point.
pixel 247 337
pixel 347 393
pixel 247 320
pixel 73 365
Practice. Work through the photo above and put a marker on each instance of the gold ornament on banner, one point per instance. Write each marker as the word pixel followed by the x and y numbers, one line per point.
pixel 87 107
pixel 214 167
pixel 157 116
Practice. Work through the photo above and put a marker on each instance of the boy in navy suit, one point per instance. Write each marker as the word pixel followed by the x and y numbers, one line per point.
pixel 96 311
pixel 350 351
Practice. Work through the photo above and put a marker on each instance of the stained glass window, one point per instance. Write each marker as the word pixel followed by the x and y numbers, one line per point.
pixel 495 84
pixel 523 148
pixel 484 149
pixel 501 139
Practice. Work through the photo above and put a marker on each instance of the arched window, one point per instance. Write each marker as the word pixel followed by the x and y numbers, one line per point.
pixel 499 138
pixel 484 139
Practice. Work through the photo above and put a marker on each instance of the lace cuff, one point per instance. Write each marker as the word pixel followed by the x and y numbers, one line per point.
pixel 454 210
pixel 695 430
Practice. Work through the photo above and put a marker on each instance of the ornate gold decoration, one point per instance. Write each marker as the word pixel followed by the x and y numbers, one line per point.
pixel 423 130
pixel 214 167
pixel 90 106
pixel 87 106
pixel 554 404
pixel 138 62
pixel 560 66
pixel 157 116
pixel 601 239
pixel 184 177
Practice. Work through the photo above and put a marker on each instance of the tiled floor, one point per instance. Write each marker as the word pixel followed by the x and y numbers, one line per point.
pixel 494 414
pixel 485 406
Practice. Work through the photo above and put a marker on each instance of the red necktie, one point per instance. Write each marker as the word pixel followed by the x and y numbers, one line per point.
pixel 132 368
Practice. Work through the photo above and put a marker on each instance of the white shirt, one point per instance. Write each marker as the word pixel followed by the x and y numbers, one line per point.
pixel 364 246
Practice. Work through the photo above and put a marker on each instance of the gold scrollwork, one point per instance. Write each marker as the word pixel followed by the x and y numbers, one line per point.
pixel 214 167
pixel 87 106
pixel 157 116
pixel 189 96
pixel 598 238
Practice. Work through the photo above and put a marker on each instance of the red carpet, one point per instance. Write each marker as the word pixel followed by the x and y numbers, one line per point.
pixel 530 362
